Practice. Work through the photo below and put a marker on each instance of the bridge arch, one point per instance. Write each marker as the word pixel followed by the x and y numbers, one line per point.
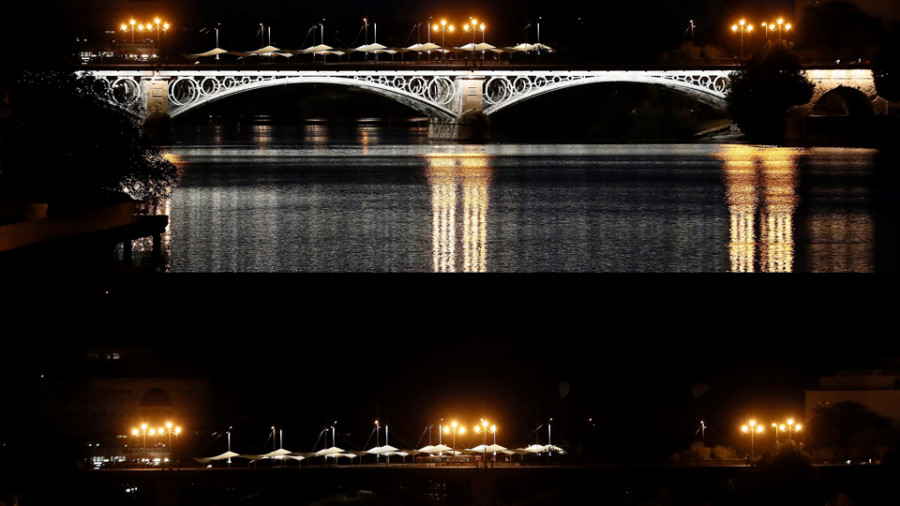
pixel 430 97
pixel 843 101
pixel 502 91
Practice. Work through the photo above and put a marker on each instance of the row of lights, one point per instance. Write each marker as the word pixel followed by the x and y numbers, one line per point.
pixel 482 428
pixel 157 24
pixel 743 27
pixel 752 427
pixel 145 430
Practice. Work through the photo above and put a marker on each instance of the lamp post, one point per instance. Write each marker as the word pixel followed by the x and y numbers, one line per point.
pixel 228 432
pixel 549 439
pixel 377 429
pixel 443 28
pixel 781 26
pixel 454 428
pixel 475 27
pixel 752 428
pixel 366 57
pixel 743 27
pixel 483 429
pixel 791 426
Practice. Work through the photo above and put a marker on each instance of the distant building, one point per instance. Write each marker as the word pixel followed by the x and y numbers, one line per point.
pixel 877 388
pixel 116 400
pixel 94 28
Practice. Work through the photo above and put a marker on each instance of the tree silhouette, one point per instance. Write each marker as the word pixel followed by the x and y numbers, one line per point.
pixel 764 88
pixel 784 475
pixel 850 431
pixel 64 144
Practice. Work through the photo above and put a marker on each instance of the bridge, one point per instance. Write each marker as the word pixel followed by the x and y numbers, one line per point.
pixel 454 98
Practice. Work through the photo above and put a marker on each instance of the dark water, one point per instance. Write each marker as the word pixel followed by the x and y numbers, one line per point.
pixel 370 197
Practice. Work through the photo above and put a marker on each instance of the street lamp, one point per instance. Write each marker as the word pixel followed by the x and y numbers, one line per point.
pixel 742 27
pixel 454 428
pixel 483 429
pixel 128 27
pixel 475 27
pixel 791 426
pixel 443 28
pixel 781 27
pixel 752 428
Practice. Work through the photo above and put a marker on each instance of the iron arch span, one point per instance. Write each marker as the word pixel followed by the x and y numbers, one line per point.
pixel 443 95
pixel 428 96
pixel 500 92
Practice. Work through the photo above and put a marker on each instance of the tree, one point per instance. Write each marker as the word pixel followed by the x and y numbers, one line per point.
pixel 65 144
pixel 784 475
pixel 886 70
pixel 850 431
pixel 764 88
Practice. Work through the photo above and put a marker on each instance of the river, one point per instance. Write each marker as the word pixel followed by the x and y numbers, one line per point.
pixel 262 196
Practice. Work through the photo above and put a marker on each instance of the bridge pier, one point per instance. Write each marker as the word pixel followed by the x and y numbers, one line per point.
pixel 158 125
pixel 470 124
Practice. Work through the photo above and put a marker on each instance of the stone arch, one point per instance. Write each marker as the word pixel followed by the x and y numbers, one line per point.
pixel 843 101
pixel 219 92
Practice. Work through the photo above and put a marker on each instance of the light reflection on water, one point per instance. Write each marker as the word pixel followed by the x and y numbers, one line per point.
pixel 368 206
pixel 760 187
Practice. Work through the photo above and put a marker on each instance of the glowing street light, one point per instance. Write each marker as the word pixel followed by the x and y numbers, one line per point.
pixel 475 27
pixel 752 428
pixel 484 429
pixel 781 26
pixel 164 26
pixel 443 28
pixel 792 427
pixel 130 26
pixel 454 428
pixel 742 26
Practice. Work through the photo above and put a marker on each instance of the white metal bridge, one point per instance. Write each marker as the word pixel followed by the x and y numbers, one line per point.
pixel 444 95
pixel 439 94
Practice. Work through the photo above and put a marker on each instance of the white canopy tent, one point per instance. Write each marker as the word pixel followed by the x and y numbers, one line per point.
pixel 211 52
pixel 481 46
pixel 527 48
pixel 334 450
pixel 221 456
